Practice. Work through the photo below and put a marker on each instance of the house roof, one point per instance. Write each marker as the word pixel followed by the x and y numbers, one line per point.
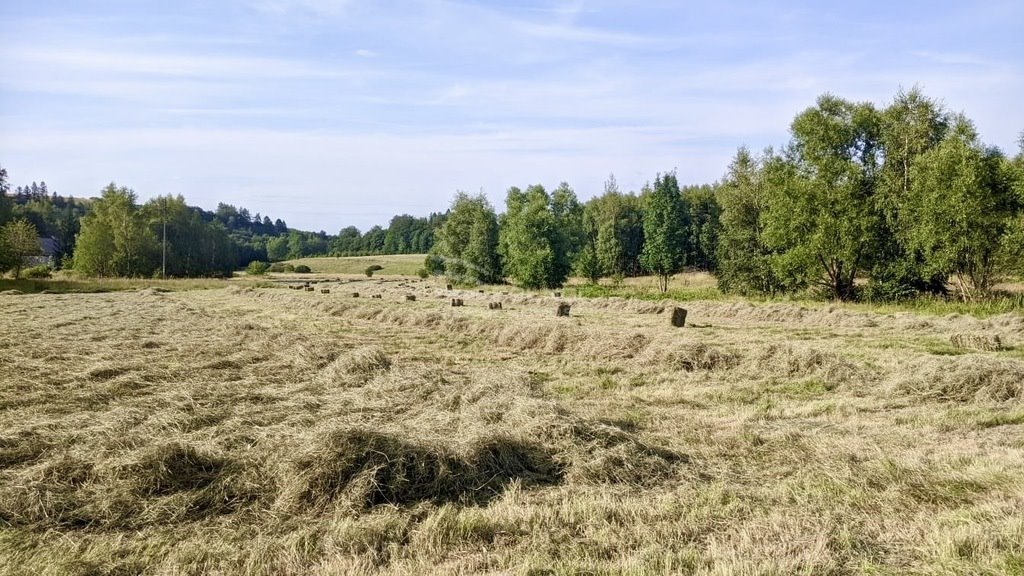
pixel 48 246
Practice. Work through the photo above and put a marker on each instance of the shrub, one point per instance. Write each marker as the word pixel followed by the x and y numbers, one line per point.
pixel 373 268
pixel 257 268
pixel 281 267
pixel 434 264
pixel 303 269
pixel 37 272
pixel 422 273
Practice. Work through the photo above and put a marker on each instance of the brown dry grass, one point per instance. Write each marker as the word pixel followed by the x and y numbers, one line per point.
pixel 273 431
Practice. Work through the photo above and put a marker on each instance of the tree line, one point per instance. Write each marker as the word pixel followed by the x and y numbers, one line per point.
pixel 862 202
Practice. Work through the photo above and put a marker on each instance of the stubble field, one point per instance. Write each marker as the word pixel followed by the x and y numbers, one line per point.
pixel 275 431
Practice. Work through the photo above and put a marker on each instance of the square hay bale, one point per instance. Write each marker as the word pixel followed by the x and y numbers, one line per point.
pixel 410 297
pixel 377 296
pixel 355 294
pixel 678 317
pixel 456 302
pixel 982 342
pixel 325 291
pixel 563 309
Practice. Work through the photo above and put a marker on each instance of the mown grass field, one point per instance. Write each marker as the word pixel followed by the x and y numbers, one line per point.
pixel 256 430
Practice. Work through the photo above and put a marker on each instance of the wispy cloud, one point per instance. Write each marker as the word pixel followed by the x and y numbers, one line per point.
pixel 284 104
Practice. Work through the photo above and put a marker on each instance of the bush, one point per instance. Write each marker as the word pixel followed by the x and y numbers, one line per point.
pixel 281 267
pixel 434 264
pixel 303 269
pixel 373 268
pixel 422 273
pixel 257 268
pixel 38 272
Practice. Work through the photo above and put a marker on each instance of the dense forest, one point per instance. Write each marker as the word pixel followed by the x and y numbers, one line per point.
pixel 868 202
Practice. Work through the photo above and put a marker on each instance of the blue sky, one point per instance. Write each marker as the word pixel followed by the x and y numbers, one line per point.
pixel 334 112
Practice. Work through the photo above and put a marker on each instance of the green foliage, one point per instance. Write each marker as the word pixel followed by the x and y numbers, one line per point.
pixel 617 221
pixel 281 267
pixel 910 126
pixel 38 272
pixel 277 249
pixel 540 234
pixel 744 262
pixel 665 229
pixel 821 220
pixel 19 241
pixel 434 264
pixel 705 226
pixel 467 243
pixel 962 204
pixel 372 268
pixel 115 239
pixel 423 273
pixel 5 203
pixel 409 235
pixel 588 263
pixel 257 268
pixel 188 246
pixel 302 269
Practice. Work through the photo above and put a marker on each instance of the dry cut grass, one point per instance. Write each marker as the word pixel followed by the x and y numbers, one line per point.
pixel 274 431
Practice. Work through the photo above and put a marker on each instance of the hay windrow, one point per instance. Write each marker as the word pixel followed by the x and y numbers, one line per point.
pixel 355 367
pixel 798 361
pixel 363 469
pixel 967 378
pixel 689 357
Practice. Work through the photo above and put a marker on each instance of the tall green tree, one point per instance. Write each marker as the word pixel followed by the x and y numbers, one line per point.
pixel 704 226
pixel 540 235
pixel 568 233
pixel 588 262
pixel 620 232
pixel 744 261
pixel 821 220
pixel 5 202
pixel 665 230
pixel 911 125
pixel 115 239
pixel 19 241
pixel 277 248
pixel 962 204
pixel 467 242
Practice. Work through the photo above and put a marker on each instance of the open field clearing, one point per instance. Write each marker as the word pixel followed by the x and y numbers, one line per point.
pixel 273 431
pixel 393 264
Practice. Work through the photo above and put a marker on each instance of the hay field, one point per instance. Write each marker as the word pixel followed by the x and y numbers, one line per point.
pixel 276 431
